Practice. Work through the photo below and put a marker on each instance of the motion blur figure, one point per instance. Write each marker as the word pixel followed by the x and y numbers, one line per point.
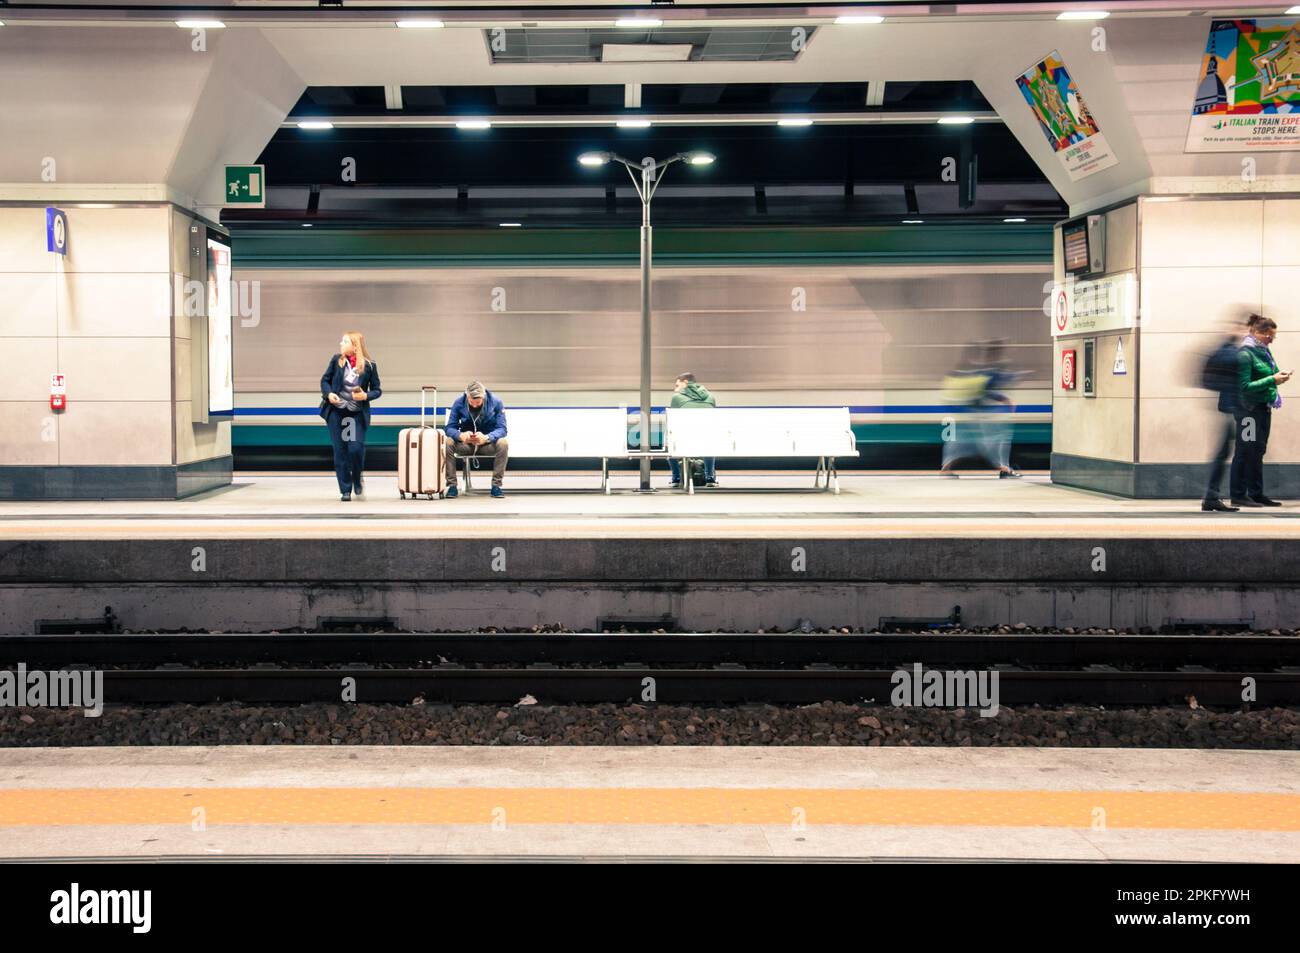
pixel 1219 374
pixel 975 389
pixel 1258 378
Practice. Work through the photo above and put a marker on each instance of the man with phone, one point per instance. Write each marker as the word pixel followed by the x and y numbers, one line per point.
pixel 1258 378
pixel 476 427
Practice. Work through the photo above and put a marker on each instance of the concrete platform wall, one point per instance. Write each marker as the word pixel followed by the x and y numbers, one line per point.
pixel 457 584
pixel 697 607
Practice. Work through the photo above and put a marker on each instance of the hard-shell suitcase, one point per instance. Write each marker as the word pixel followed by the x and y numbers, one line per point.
pixel 419 456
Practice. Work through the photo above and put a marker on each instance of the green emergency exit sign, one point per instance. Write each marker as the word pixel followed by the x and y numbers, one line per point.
pixel 246 185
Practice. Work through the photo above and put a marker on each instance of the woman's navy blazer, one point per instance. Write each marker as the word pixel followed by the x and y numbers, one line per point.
pixel 331 382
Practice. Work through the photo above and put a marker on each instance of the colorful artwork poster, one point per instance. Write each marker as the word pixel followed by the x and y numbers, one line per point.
pixel 1248 89
pixel 1063 117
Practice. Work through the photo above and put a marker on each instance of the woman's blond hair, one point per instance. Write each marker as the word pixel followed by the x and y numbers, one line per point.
pixel 358 341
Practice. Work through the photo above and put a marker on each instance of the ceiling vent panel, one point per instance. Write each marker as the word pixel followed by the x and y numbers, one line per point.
pixel 672 44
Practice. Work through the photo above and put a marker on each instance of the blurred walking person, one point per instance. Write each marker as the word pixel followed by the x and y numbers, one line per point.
pixel 973 388
pixel 1219 374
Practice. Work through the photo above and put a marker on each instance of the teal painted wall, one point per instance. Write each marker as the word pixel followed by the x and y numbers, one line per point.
pixel 884 244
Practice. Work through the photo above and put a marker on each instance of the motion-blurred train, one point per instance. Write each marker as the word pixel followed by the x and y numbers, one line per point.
pixel 878 339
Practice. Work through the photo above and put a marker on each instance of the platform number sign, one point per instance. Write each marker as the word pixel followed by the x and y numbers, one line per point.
pixel 1069 369
pixel 56 231
pixel 246 185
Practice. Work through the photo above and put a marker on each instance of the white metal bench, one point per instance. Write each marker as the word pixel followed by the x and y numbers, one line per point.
pixel 574 433
pixel 820 432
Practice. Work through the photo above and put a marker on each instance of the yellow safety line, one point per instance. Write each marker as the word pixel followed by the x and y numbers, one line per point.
pixel 721 806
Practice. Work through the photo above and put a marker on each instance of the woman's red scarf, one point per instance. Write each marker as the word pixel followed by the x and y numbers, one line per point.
pixel 352 359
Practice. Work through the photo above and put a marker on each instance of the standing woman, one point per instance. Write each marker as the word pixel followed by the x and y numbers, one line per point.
pixel 349 384
pixel 1258 377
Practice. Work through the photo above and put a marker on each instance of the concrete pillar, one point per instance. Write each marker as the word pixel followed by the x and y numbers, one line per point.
pixel 1201 262
pixel 127 130
pixel 105 315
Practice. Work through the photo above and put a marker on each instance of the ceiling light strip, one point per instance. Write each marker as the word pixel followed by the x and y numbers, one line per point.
pixel 765 119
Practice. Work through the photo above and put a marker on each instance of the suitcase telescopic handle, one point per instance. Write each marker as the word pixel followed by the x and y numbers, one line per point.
pixel 423 389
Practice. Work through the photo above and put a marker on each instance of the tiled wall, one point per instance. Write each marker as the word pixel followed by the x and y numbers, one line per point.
pixel 102 316
pixel 1099 427
pixel 1205 264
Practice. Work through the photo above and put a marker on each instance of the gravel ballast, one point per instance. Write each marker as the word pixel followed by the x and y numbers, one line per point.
pixel 827 723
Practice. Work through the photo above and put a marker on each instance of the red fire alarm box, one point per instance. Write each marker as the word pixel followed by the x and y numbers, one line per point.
pixel 1068 369
pixel 58 392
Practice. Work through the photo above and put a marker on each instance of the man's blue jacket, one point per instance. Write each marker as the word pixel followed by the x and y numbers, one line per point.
pixel 489 420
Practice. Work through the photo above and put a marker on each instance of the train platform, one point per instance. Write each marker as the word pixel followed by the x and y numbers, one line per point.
pixel 568 504
pixel 278 551
pixel 769 804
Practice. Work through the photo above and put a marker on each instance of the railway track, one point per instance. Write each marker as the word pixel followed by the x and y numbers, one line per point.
pixel 685 668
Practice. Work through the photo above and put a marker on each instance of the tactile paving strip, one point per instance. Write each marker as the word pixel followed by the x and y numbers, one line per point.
pixel 867 807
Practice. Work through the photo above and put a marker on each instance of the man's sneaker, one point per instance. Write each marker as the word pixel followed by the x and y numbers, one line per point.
pixel 498 493
pixel 345 498
pixel 675 485
pixel 358 490
pixel 452 492
pixel 1008 474
pixel 1217 506
pixel 710 482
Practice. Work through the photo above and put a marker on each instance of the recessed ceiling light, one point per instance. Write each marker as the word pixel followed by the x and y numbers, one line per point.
pixel 306 224
pixel 858 19
pixel 955 120
pixel 419 24
pixel 700 158
pixel 798 121
pixel 638 22
pixel 633 124
pixel 510 225
pixel 1013 220
pixel 315 124
pixel 200 24
pixel 1293 10
pixel 473 124
pixel 913 221
pixel 1083 15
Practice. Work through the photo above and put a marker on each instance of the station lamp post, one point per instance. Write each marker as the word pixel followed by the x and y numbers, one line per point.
pixel 646 176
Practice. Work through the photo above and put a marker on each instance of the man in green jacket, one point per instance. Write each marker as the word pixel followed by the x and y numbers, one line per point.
pixel 687 392
pixel 1257 380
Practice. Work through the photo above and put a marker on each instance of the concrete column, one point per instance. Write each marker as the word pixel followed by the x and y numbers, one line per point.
pixel 1202 263
pixel 105 316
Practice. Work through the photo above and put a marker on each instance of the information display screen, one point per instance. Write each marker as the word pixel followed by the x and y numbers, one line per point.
pixel 1074 238
pixel 221 378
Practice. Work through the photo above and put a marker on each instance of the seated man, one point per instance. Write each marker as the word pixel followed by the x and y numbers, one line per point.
pixel 688 393
pixel 476 427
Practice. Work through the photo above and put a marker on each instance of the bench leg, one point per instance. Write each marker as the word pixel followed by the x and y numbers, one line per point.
pixel 604 475
pixel 834 473
pixel 688 477
pixel 468 485
pixel 817 477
